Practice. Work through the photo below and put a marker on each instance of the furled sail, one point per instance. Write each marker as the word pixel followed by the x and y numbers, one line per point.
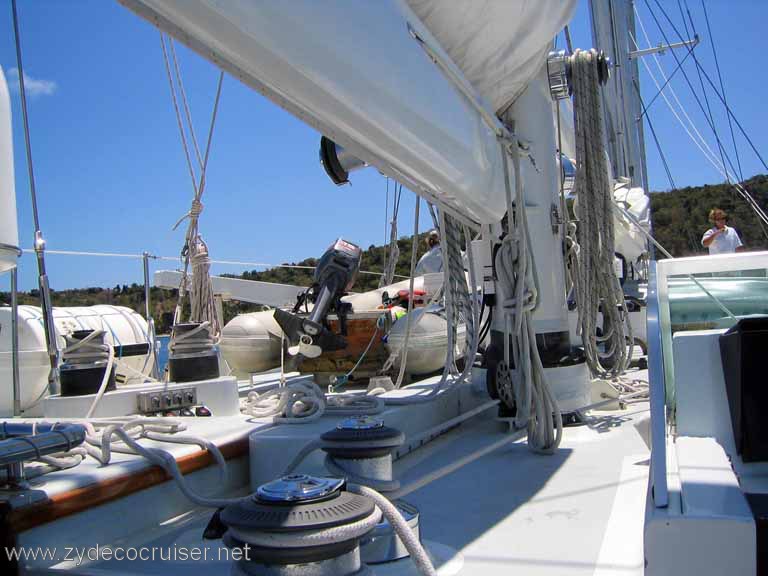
pixel 354 71
pixel 9 233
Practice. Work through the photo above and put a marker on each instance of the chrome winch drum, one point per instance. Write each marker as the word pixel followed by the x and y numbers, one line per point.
pixel 361 448
pixel 300 524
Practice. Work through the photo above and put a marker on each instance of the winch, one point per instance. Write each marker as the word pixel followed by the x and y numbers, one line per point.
pixel 360 448
pixel 86 359
pixel 193 353
pixel 300 524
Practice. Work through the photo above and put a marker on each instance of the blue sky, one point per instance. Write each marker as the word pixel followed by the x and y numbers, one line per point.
pixel 111 175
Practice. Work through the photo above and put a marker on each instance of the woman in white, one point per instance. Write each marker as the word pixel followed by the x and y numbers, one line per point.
pixel 721 239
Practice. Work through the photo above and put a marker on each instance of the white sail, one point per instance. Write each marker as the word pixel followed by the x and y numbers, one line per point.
pixel 353 71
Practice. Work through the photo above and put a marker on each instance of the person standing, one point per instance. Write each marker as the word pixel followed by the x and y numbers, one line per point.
pixel 721 239
pixel 432 261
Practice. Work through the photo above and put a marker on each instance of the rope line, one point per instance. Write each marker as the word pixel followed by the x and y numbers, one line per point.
pixel 591 249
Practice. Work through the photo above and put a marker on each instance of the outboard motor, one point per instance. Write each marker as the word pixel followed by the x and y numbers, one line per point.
pixel 334 276
pixel 299 524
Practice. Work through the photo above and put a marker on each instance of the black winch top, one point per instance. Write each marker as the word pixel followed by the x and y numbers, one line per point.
pixel 298 502
pixel 361 437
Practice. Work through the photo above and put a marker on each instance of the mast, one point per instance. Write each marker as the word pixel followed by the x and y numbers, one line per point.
pixel 613 27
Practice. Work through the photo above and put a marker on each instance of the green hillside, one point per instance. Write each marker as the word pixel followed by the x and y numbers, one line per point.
pixel 679 220
pixel 680 217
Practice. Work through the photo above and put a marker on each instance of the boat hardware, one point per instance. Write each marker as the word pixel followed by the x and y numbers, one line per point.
pixel 382 544
pixel 86 359
pixel 360 448
pixel 23 442
pixel 194 356
pixel 338 163
pixel 299 520
pixel 334 276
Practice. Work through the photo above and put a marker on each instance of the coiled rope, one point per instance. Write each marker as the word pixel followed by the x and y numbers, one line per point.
pixel 90 350
pixel 591 252
pixel 304 402
pixel 536 406
pixel 194 250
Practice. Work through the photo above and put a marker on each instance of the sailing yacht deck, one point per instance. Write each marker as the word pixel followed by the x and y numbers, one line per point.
pixel 488 504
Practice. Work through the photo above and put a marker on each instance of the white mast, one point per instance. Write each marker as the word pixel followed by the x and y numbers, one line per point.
pixel 612 23
pixel 9 231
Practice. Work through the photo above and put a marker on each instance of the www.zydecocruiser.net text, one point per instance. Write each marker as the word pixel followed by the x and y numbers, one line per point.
pixel 77 555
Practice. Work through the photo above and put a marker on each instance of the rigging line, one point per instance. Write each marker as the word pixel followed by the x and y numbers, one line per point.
pixel 184 101
pixel 42 278
pixel 669 78
pixel 720 145
pixel 741 190
pixel 214 114
pixel 178 113
pixel 690 19
pixel 698 139
pixel 691 241
pixel 688 81
pixel 25 118
pixel 712 84
pixel 386 226
pixel 655 137
pixel 722 88
pixel 682 17
pixel 568 41
pixel 703 145
pixel 386 213
pixel 176 258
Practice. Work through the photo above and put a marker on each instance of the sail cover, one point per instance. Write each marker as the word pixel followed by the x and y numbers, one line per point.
pixel 498 44
pixel 355 72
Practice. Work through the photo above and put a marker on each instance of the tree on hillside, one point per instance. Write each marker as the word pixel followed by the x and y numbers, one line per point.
pixel 680 218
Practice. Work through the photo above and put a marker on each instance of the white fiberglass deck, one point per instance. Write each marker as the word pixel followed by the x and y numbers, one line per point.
pixel 504 511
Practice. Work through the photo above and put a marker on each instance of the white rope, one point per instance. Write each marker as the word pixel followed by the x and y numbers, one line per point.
pixel 104 383
pixel 591 255
pixel 392 514
pixel 459 306
pixel 304 402
pixel 536 407
pixel 202 303
pixel 392 255
pixel 411 297
pixel 191 238
pixel 90 350
pixel 121 435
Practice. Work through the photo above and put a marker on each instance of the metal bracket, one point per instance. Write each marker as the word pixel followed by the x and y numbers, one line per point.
pixel 558 74
pixel 662 48
pixel 555 219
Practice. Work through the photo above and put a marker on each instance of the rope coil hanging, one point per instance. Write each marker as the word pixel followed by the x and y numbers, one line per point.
pixel 195 251
pixel 591 249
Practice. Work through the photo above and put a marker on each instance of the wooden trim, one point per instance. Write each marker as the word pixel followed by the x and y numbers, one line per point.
pixel 85 497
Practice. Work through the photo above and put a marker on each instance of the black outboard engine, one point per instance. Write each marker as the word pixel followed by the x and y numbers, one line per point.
pixel 334 276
